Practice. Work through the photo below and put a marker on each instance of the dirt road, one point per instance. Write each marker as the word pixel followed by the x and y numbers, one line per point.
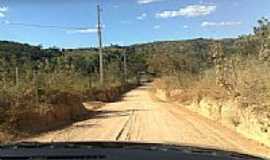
pixel 139 117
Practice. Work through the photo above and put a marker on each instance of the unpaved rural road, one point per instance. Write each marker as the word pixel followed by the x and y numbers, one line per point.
pixel 139 117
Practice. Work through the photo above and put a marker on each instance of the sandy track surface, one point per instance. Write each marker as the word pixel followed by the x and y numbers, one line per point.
pixel 139 117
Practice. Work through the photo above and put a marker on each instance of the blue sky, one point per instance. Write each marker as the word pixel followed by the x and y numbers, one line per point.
pixel 127 21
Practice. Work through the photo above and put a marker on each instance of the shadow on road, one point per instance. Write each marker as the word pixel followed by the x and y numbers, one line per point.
pixel 104 114
pixel 96 111
pixel 99 114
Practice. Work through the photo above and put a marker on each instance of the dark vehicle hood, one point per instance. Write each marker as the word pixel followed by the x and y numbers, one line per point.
pixel 113 150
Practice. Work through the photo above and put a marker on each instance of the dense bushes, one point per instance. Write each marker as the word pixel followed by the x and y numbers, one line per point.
pixel 48 86
pixel 23 115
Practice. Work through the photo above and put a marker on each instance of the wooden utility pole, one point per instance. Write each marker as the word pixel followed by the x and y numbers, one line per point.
pixel 101 72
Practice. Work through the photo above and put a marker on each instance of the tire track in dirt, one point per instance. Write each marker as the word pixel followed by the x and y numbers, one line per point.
pixel 126 127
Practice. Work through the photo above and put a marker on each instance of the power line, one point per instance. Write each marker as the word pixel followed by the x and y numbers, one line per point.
pixel 45 26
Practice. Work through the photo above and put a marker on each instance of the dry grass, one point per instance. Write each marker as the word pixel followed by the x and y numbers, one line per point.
pixel 249 83
pixel 56 101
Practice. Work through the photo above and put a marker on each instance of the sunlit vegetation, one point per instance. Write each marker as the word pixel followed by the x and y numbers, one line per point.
pixel 224 69
pixel 32 77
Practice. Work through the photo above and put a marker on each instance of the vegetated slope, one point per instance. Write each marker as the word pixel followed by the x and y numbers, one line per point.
pixel 44 88
pixel 230 86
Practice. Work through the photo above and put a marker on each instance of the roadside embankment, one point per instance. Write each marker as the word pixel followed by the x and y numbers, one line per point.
pixel 251 121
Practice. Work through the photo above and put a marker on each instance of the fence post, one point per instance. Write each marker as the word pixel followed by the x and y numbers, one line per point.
pixel 17 77
pixel 36 86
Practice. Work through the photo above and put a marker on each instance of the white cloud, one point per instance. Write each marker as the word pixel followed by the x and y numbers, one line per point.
pixel 228 23
pixel 188 11
pixel 102 26
pixel 3 9
pixel 89 30
pixel 2 15
pixel 142 16
pixel 156 27
pixel 185 26
pixel 147 1
pixel 83 31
